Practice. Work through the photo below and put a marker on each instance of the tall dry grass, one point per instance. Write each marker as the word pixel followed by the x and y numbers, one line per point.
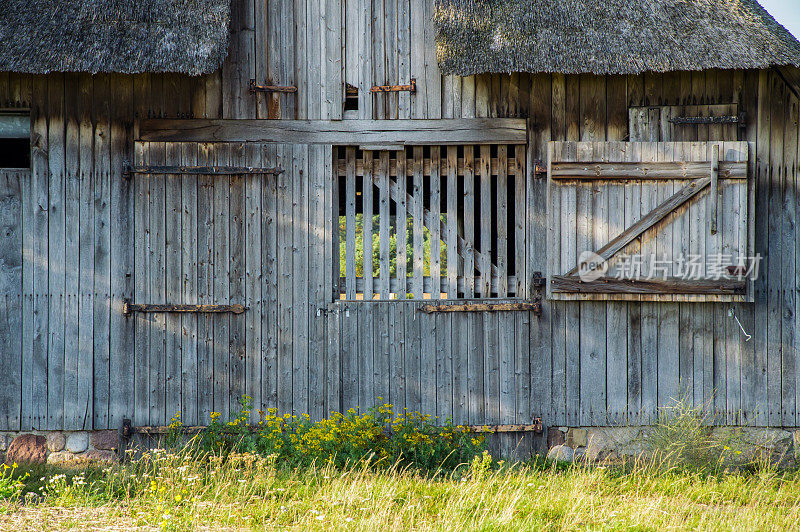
pixel 181 491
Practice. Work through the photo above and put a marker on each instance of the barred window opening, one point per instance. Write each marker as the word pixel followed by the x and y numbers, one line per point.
pixel 444 222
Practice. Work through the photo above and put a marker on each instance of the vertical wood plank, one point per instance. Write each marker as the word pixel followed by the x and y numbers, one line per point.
pixel 775 251
pixel 34 400
pixel 205 283
pixel 12 188
pixel 172 281
pixel 271 221
pixel 72 245
pixel 189 280
pixel 121 366
pixel 285 258
pixel 236 280
pixel 57 255
pixel 102 251
pixel 157 290
pixel 300 281
pixel 221 283
pixel 760 384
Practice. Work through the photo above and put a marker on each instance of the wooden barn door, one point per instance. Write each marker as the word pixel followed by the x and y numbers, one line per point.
pixel 204 229
pixel 649 221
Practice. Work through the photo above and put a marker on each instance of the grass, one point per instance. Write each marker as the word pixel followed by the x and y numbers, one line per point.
pixel 179 492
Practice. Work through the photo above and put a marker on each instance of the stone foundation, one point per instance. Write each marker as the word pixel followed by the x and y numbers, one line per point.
pixel 60 448
pixel 598 444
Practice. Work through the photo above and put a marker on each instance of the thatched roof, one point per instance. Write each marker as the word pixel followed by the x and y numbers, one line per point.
pixel 40 36
pixel 608 36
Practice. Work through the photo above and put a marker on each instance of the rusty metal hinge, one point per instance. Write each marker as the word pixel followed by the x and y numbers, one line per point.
pixel 411 87
pixel 270 88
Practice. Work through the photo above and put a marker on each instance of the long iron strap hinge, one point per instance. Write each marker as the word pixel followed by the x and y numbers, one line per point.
pixel 128 170
pixel 254 88
pixel 411 87
pixel 129 308
pixel 709 120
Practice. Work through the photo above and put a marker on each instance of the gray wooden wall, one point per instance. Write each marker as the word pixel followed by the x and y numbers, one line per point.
pixel 77 239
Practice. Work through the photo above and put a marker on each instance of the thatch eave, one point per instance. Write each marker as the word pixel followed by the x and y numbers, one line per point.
pixel 123 36
pixel 608 36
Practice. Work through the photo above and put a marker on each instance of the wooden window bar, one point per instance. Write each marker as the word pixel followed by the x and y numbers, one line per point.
pixel 129 308
pixel 462 209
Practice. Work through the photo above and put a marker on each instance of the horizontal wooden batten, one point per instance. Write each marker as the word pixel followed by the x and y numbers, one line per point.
pixel 428 285
pixel 338 132
pixel 606 285
pixel 426 167
pixel 654 170
pixel 128 308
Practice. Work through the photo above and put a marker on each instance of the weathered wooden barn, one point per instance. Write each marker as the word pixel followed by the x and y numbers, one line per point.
pixel 186 186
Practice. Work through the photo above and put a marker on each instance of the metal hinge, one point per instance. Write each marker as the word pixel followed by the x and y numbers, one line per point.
pixel 270 88
pixel 411 87
pixel 128 170
pixel 709 120
pixel 129 308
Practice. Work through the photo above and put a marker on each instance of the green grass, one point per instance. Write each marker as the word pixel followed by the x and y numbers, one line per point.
pixel 180 491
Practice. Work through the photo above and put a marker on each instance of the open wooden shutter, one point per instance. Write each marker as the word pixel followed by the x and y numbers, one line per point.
pixel 649 221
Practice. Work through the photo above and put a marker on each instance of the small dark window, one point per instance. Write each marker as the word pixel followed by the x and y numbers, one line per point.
pixel 15 140
pixel 350 98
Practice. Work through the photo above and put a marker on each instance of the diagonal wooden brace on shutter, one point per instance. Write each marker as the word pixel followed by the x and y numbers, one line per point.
pixel 652 218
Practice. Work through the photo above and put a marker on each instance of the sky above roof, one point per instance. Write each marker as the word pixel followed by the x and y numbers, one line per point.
pixel 786 12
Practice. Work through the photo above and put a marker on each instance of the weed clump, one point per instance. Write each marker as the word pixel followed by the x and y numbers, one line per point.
pixel 377 436
pixel 683 438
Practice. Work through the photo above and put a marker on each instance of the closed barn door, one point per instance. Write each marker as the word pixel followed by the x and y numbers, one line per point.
pixel 234 238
